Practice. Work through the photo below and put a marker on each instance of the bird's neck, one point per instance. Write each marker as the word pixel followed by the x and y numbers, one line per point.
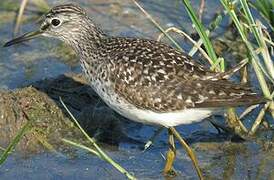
pixel 87 40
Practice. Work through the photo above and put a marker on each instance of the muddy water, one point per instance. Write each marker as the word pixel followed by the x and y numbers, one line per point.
pixel 221 156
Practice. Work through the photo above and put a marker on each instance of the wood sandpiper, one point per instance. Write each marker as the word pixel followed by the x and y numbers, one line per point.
pixel 143 80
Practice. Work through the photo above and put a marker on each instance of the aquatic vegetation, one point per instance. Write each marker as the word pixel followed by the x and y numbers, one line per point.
pixel 266 8
pixel 263 72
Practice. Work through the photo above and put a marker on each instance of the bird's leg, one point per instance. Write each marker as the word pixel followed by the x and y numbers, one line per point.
pixel 188 150
pixel 170 155
pixel 150 141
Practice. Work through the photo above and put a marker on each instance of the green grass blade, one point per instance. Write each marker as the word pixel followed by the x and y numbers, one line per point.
pixel 82 147
pixel 250 20
pixel 201 31
pixel 103 155
pixel 260 40
pixel 265 8
pixel 14 142
pixel 228 5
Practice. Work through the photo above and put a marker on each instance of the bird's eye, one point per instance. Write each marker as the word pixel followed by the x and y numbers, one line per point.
pixel 55 22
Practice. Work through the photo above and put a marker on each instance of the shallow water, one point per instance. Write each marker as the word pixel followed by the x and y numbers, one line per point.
pixel 42 58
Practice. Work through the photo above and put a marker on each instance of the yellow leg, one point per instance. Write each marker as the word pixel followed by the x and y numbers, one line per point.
pixel 171 154
pixel 188 150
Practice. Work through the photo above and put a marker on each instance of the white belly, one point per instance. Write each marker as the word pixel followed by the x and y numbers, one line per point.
pixel 170 119
pixel 167 119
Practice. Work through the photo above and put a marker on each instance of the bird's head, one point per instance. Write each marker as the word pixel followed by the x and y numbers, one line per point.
pixel 68 23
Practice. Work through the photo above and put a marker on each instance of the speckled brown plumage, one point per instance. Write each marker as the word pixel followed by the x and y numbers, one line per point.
pixel 155 76
pixel 150 74
pixel 144 80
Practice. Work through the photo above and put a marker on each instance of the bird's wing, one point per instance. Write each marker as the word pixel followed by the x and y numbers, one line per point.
pixel 175 95
pixel 160 78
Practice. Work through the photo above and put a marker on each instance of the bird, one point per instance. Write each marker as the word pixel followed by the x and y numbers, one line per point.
pixel 142 79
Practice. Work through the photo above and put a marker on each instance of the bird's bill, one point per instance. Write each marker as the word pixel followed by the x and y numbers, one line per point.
pixel 23 38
